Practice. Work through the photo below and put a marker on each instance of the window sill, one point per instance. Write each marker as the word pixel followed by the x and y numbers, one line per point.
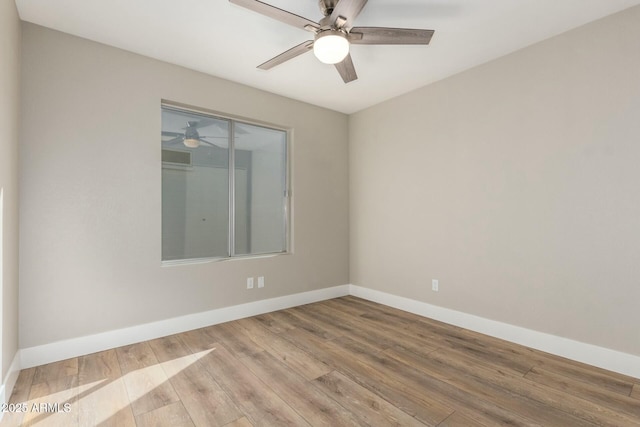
pixel 179 262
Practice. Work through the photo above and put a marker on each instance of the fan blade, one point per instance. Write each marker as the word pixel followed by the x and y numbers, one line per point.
pixel 348 10
pixel 278 14
pixel 346 69
pixel 203 122
pixel 173 134
pixel 174 140
pixel 380 35
pixel 202 141
pixel 289 54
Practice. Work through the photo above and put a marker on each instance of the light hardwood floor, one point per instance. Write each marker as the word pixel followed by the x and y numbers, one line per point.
pixel 345 361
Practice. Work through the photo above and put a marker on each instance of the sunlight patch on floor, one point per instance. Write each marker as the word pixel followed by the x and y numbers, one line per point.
pixel 98 401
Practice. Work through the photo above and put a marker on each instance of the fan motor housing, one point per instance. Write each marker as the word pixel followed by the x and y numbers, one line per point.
pixel 191 133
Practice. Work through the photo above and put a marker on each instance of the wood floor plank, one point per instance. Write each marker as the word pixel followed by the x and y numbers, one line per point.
pixel 275 324
pixel 63 385
pixel 259 403
pixel 554 404
pixel 416 403
pixel 122 418
pixel 203 398
pixel 311 312
pixel 458 420
pixel 509 354
pixel 611 381
pixel 635 392
pixel 321 331
pixel 98 366
pixel 598 395
pixel 345 361
pixel 206 402
pixel 295 358
pixel 102 395
pixel 348 324
pixel 285 318
pixel 198 340
pixel 385 335
pixel 394 315
pixel 147 384
pixel 169 348
pixel 19 399
pixel 369 407
pixel 483 386
pixel 479 357
pixel 315 345
pixel 104 402
pixel 239 344
pixel 23 385
pixel 380 372
pixel 440 331
pixel 438 335
pixel 315 406
pixel 241 422
pixel 353 307
pixel 173 355
pixel 58 390
pixel 172 415
pixel 56 370
pixel 135 357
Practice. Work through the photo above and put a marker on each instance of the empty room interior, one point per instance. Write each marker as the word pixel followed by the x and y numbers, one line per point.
pixel 334 212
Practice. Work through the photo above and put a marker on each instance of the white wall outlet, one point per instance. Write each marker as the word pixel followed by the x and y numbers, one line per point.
pixel 434 285
pixel 249 282
pixel 261 281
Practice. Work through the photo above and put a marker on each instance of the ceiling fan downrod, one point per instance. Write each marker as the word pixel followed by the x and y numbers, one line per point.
pixel 327 6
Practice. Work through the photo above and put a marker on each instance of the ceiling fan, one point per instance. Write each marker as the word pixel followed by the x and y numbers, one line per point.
pixel 190 138
pixel 334 33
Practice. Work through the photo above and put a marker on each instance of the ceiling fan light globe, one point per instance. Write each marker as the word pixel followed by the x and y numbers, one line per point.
pixel 191 143
pixel 331 47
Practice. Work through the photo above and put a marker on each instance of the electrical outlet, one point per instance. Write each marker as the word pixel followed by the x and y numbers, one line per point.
pixel 434 285
pixel 249 282
pixel 261 282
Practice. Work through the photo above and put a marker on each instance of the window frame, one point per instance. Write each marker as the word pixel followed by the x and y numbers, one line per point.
pixel 287 197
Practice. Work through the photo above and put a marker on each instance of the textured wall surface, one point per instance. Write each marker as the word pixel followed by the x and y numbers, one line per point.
pixel 9 127
pixel 515 184
pixel 90 241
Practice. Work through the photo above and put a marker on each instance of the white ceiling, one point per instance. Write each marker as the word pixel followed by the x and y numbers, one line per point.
pixel 228 41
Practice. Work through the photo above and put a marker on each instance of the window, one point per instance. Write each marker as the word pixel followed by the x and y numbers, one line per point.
pixel 224 187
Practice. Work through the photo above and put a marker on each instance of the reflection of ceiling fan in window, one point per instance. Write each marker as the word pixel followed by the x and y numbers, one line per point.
pixel 191 137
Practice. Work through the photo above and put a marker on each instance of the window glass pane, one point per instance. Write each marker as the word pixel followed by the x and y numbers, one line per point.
pixel 260 189
pixel 195 186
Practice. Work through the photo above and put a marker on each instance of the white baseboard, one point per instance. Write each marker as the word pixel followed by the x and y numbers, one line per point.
pixel 605 358
pixel 593 355
pixel 9 381
pixel 74 347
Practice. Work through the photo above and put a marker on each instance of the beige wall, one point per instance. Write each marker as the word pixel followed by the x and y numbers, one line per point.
pixel 90 192
pixel 516 184
pixel 9 124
